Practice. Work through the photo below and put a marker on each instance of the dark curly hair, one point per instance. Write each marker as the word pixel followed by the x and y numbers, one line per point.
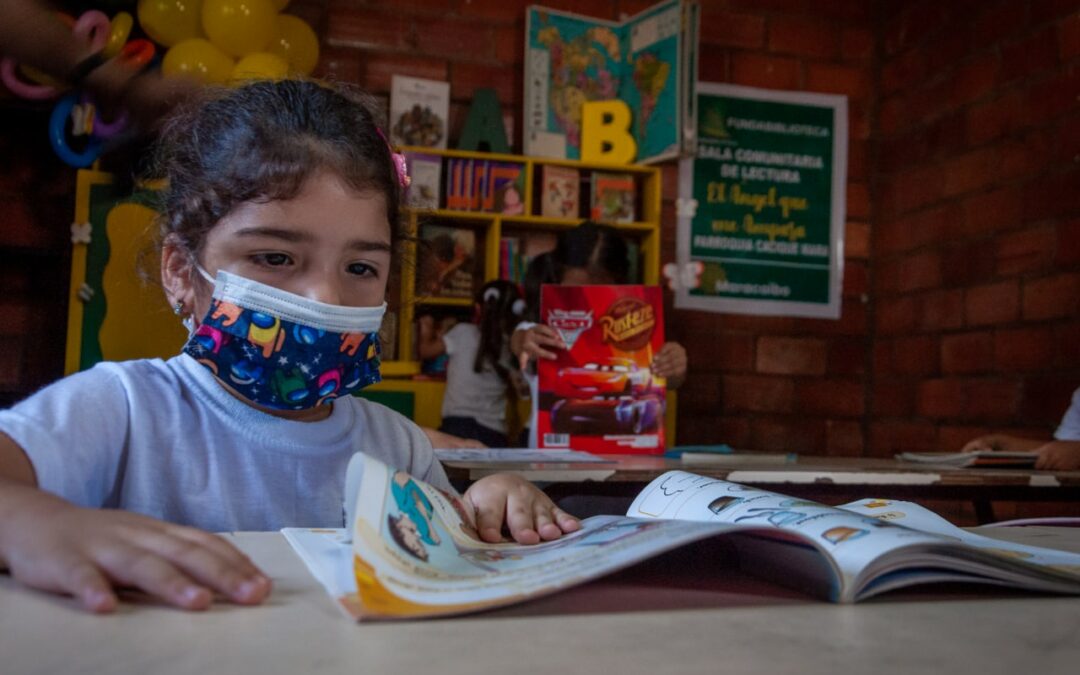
pixel 261 142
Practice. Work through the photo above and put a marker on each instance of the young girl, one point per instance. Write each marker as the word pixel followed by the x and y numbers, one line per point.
pixel 588 254
pixel 477 374
pixel 278 222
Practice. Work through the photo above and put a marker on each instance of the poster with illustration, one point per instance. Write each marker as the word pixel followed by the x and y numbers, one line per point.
pixel 600 395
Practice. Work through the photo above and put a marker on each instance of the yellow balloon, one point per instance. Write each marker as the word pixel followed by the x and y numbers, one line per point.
pixel 198 59
pixel 295 42
pixel 259 66
pixel 239 27
pixel 168 22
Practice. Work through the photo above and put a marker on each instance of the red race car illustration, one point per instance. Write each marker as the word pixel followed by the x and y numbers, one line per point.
pixel 608 377
pixel 599 416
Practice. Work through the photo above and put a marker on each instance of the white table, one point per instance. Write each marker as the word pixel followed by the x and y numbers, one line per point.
pixel 736 625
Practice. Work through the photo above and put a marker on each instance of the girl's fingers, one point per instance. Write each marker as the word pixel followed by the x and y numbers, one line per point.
pixel 545 523
pixel 489 521
pixel 228 574
pixel 567 522
pixel 519 518
pixel 150 572
pixel 82 580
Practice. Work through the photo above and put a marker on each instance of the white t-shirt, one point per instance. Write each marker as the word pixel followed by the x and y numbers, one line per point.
pixel 1069 430
pixel 481 396
pixel 165 439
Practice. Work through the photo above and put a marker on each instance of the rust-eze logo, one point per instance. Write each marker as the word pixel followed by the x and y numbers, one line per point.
pixel 570 324
pixel 628 324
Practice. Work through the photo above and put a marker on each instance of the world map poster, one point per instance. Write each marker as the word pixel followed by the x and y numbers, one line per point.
pixel 647 61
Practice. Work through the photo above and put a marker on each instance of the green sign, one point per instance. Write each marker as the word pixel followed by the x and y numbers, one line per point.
pixel 761 208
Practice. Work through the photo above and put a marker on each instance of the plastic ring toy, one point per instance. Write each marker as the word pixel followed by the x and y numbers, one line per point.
pixel 101 128
pixel 119 32
pixel 58 136
pixel 93 26
pixel 137 53
pixel 34 92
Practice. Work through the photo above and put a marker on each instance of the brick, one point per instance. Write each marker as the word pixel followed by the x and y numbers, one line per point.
pixel 896 315
pixel 992 401
pixel 857 240
pixel 803 36
pixel 968 264
pixel 999 21
pixel 466 78
pixel 1068 242
pixel 1052 96
pixel 921 271
pixel 858 200
pixel 725 352
pixel 789 435
pixel 858 168
pixel 713 63
pixel 790 356
pixel 945 135
pixel 918 187
pixel 919 229
pixel 510 45
pixel 772 72
pixel 971 171
pixel 893 398
pixel 944 51
pixel 378 68
pixel 990 120
pixel 992 304
pixel 954 438
pixel 1044 400
pixel 1027 156
pixel 859 126
pixel 856 44
pixel 1030 250
pixel 847 356
pixel 757 394
pixel 1048 10
pixel 998 209
pixel 915 355
pixel 11 361
pixel 903 72
pixel 701 394
pixel 835 79
pixel 1052 196
pixel 1067 340
pixel 1029 56
pixel 453 38
pixel 1024 349
pixel 890 437
pixel 499 10
pixel 856 282
pixel 603 9
pixel 1069 37
pixel 731 29
pixel 705 430
pixel 1051 297
pixel 941 310
pixel 893 116
pixel 830 398
pixel 941 398
pixel 843 439
pixel 339 65
pixel 967 353
pixel 371 28
pixel 896 154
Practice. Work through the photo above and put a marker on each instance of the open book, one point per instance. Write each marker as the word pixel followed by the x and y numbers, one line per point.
pixel 978 460
pixel 412 553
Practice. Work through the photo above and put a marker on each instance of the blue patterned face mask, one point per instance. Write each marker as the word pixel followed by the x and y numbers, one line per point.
pixel 282 350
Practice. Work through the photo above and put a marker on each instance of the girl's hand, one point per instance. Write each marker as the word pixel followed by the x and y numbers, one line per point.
pixel 527 512
pixel 538 342
pixel 54 546
pixel 670 363
pixel 1002 443
pixel 1059 456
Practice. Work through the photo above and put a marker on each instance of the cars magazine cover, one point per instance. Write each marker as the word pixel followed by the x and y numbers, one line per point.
pixel 600 395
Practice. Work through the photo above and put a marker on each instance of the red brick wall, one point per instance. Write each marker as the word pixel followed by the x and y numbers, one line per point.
pixel 976 270
pixel 962 266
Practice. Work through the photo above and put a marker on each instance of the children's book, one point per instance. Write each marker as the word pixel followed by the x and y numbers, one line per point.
pixel 600 394
pixel 448 271
pixel 978 460
pixel 411 551
pixel 613 197
pixel 505 192
pixel 647 61
pixel 560 191
pixel 425 172
pixel 419 110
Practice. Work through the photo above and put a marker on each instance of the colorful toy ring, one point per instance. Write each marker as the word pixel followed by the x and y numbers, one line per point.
pixel 119 32
pixel 94 27
pixel 137 53
pixel 58 136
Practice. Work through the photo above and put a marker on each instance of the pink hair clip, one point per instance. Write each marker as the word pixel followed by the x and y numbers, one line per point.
pixel 400 165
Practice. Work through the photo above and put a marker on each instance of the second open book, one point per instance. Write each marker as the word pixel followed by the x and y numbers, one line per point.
pixel 410 553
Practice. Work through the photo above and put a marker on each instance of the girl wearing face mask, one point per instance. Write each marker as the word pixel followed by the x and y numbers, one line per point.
pixel 278 229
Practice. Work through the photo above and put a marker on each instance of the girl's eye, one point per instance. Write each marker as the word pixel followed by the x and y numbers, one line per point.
pixel 271 259
pixel 361 269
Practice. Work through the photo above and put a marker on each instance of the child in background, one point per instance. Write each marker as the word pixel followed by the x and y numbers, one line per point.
pixel 477 374
pixel 1060 454
pixel 278 227
pixel 589 254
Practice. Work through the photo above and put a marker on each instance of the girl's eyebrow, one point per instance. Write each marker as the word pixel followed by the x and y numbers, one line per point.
pixel 302 236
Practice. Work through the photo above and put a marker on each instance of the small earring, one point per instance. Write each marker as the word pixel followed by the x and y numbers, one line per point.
pixel 178 308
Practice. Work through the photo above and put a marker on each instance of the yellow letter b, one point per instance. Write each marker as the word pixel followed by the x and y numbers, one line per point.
pixel 605 133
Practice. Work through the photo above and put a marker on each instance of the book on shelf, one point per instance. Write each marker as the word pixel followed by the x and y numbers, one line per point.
pixel 647 60
pixel 560 191
pixel 600 394
pixel 449 269
pixel 410 550
pixel 612 197
pixel 419 110
pixel 505 192
pixel 977 460
pixel 425 172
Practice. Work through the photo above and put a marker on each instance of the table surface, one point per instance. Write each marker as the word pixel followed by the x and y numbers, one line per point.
pixel 649 619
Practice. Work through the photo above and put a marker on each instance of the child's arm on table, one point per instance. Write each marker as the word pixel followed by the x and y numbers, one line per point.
pixel 1059 456
pixel 529 515
pixel 53 545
